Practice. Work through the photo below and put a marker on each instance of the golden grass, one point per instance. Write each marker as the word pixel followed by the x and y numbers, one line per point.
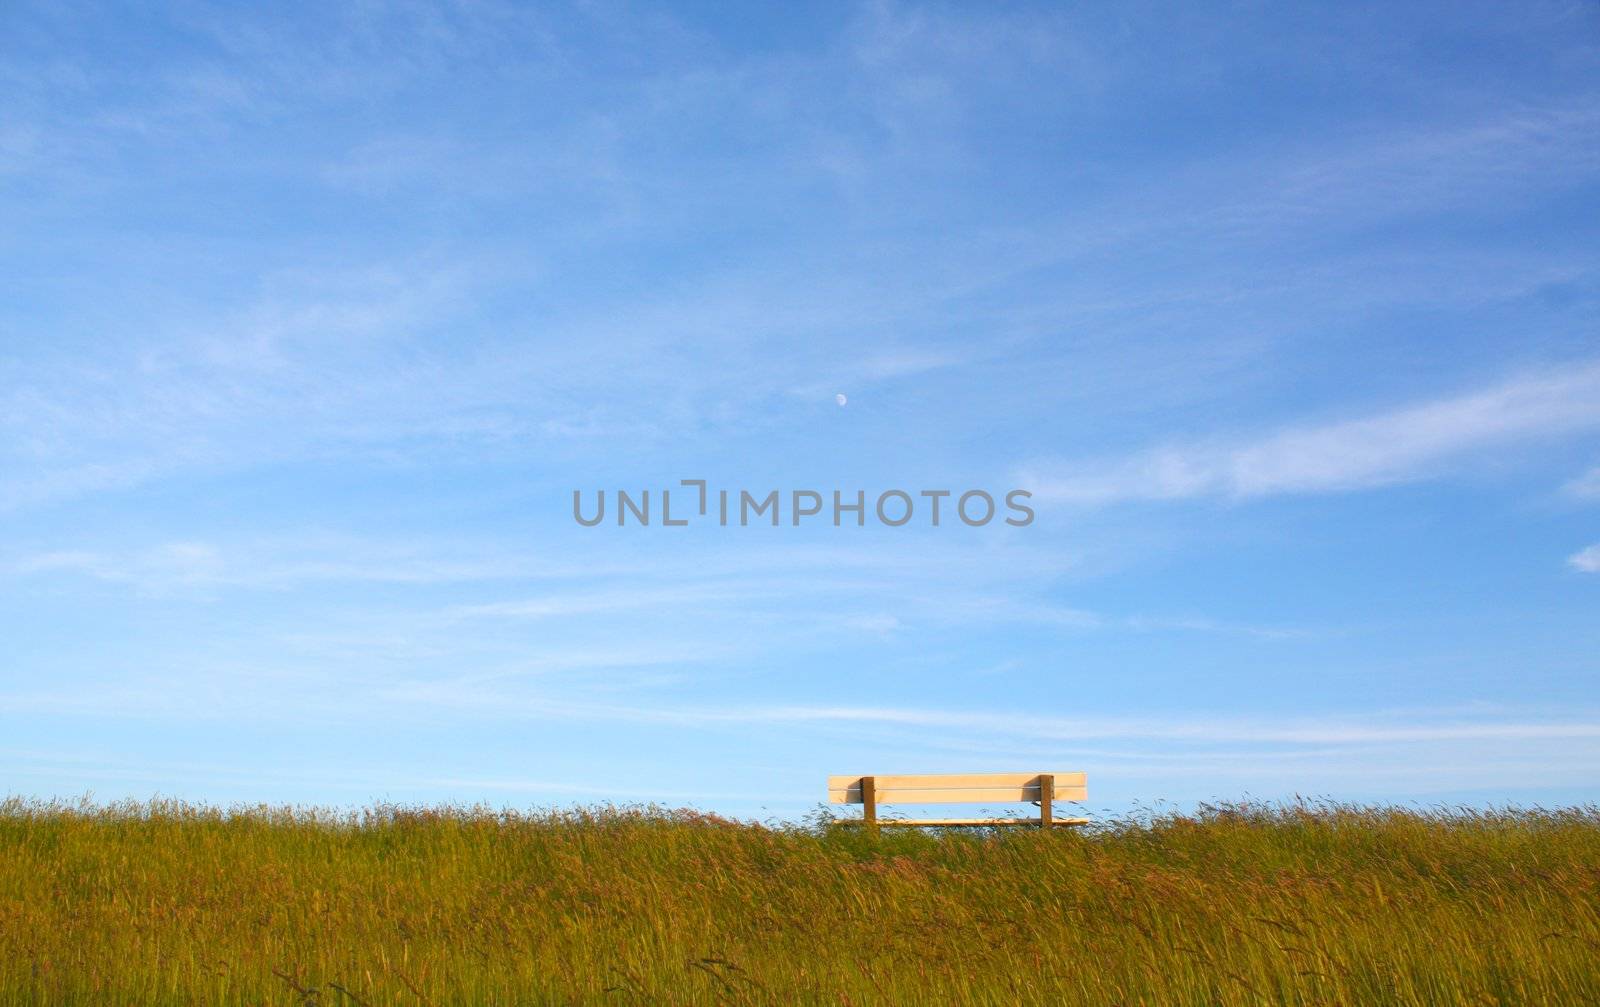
pixel 167 903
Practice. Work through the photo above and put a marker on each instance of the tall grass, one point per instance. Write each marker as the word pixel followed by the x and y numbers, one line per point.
pixel 169 903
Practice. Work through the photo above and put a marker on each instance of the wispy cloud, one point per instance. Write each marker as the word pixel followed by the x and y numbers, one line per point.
pixel 1586 486
pixel 1307 730
pixel 1586 560
pixel 1407 444
pixel 569 603
pixel 171 565
pixel 502 698
pixel 884 625
pixel 362 781
pixel 272 564
pixel 896 591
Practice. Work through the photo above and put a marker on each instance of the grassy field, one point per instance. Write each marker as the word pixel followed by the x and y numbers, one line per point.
pixel 165 903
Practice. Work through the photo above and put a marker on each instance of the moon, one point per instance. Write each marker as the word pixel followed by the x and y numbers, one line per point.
pixel 840 398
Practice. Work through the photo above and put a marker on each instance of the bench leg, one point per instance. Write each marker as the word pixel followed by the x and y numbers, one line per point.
pixel 1047 796
pixel 869 802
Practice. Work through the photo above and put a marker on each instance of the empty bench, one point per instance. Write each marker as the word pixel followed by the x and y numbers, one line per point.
pixel 1043 789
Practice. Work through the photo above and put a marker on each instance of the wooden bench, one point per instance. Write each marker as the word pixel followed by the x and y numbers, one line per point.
pixel 1043 789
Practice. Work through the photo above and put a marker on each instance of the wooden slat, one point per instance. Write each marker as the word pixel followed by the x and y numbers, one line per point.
pixel 949 781
pixel 972 796
pixel 960 823
pixel 975 795
pixel 968 794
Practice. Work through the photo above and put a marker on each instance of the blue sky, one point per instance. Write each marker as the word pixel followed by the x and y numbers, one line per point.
pixel 312 320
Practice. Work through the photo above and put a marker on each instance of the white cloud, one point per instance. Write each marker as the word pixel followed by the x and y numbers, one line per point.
pixel 563 604
pixel 1586 560
pixel 290 562
pixel 882 624
pixel 1400 446
pixel 1586 486
pixel 164 567
pixel 509 696
pixel 1307 731
pixel 363 780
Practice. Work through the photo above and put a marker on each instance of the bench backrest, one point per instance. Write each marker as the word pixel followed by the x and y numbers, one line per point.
pixel 967 788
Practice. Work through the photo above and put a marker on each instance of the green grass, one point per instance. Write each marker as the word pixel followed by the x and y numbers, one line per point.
pixel 166 903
